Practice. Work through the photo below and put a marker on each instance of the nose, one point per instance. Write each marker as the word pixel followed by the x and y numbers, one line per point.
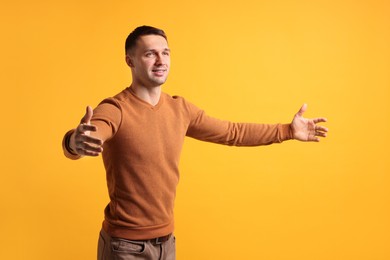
pixel 159 59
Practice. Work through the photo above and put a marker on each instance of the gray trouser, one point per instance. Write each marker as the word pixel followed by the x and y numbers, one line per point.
pixel 110 248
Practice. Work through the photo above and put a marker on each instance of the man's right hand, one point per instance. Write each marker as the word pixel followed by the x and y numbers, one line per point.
pixel 81 141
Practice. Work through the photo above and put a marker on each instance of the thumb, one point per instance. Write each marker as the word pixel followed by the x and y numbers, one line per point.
pixel 87 117
pixel 302 110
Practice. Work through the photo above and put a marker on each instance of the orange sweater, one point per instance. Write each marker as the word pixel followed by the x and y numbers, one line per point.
pixel 141 156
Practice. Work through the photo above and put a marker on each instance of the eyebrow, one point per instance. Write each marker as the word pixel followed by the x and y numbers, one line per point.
pixel 154 50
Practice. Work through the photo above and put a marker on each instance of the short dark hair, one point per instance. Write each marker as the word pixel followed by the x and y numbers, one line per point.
pixel 131 40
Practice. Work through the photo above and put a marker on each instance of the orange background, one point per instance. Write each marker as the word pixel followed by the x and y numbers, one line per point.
pixel 255 61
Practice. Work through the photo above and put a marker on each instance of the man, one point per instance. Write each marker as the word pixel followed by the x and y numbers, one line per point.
pixel 140 133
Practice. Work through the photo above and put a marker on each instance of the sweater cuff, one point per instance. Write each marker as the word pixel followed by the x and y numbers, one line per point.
pixel 66 148
pixel 285 132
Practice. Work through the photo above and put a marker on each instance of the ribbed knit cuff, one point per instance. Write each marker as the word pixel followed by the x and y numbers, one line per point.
pixel 66 148
pixel 286 132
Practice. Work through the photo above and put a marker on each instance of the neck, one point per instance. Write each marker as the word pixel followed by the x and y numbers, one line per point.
pixel 149 95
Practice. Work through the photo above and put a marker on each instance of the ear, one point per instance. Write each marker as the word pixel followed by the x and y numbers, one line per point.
pixel 129 61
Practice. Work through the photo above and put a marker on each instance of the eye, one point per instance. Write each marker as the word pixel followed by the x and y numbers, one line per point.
pixel 166 53
pixel 149 54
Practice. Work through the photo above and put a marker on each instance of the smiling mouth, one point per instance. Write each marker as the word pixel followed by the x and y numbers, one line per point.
pixel 159 72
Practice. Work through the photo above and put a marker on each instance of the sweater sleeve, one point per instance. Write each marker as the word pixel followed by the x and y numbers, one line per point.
pixel 206 128
pixel 107 117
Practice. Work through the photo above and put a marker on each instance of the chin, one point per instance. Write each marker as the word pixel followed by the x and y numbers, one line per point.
pixel 160 81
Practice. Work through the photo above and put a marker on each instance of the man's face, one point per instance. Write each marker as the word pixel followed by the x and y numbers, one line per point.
pixel 149 61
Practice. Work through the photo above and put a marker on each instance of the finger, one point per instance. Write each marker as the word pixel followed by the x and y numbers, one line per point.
pixel 87 117
pixel 314 139
pixel 321 128
pixel 87 153
pixel 84 127
pixel 302 110
pixel 321 134
pixel 89 139
pixel 319 120
pixel 84 148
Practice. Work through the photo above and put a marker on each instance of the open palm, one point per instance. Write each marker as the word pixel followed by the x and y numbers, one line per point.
pixel 305 129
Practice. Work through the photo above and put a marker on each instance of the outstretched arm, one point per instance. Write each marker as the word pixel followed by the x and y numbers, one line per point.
pixel 307 130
